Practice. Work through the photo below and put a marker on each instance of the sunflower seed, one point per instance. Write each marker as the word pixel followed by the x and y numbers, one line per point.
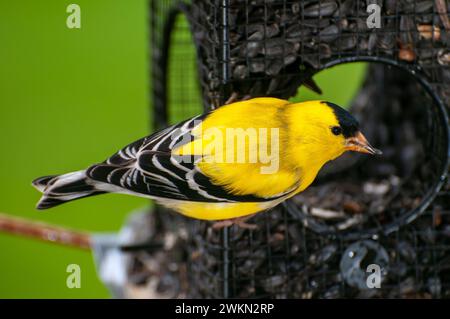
pixel 329 34
pixel 322 9
pixel 429 32
pixel 240 72
pixel 444 57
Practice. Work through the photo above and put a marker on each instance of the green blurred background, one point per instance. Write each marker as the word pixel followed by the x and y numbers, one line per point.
pixel 70 98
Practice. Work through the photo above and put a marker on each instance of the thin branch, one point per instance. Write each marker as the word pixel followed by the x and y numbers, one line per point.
pixel 44 232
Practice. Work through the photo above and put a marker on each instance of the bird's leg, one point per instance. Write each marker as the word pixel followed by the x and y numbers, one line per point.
pixel 240 222
pixel 232 98
pixel 222 224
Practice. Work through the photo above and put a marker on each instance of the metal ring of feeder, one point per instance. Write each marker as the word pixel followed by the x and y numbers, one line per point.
pixel 411 215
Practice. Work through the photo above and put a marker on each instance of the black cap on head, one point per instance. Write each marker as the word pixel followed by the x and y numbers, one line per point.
pixel 346 121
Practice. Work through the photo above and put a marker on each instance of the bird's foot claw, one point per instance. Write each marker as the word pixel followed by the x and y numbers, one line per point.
pixel 244 225
pixel 240 222
pixel 233 98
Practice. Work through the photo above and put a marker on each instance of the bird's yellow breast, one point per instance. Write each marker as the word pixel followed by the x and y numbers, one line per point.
pixel 257 133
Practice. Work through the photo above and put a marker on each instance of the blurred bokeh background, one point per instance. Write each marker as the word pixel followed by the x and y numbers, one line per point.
pixel 70 98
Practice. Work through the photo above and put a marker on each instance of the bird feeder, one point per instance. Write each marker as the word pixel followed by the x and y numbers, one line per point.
pixel 391 211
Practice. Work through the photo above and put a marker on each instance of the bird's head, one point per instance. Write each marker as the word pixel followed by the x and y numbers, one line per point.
pixel 327 130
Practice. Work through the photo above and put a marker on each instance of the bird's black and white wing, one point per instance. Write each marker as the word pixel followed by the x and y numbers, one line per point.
pixel 147 167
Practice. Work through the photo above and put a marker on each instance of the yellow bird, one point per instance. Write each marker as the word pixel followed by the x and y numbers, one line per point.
pixel 225 165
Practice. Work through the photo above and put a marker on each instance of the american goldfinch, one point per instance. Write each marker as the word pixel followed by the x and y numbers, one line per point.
pixel 225 165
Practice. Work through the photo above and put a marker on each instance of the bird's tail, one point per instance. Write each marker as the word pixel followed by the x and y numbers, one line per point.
pixel 58 189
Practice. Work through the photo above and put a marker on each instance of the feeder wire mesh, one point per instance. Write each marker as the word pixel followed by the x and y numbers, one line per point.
pixel 393 211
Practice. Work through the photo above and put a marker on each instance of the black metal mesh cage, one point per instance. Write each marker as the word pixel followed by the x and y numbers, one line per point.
pixel 392 211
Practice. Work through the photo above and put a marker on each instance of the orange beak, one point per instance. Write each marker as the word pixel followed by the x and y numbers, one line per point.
pixel 358 143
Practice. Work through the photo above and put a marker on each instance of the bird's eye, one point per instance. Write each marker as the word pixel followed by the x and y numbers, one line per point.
pixel 336 130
